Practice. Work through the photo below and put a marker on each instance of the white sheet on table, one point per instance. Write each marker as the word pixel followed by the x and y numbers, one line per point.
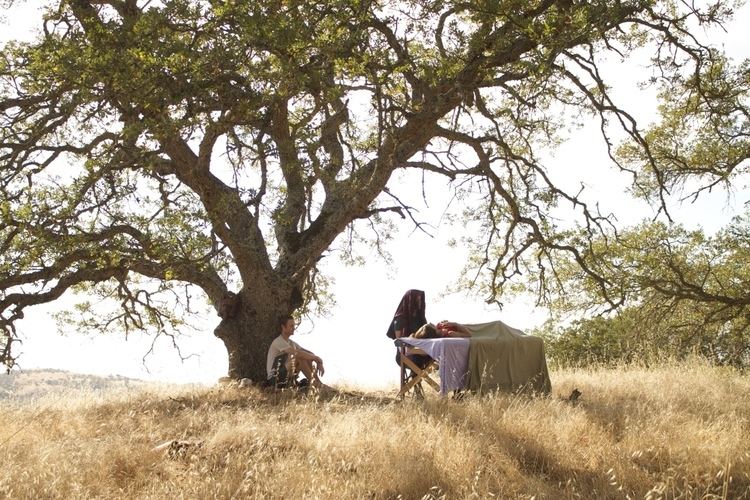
pixel 453 356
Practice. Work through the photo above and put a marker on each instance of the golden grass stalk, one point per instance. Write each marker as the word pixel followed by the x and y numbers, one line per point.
pixel 677 431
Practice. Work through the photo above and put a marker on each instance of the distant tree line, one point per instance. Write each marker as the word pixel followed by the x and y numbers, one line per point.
pixel 685 294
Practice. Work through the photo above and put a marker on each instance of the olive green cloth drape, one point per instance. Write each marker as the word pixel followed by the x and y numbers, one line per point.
pixel 506 359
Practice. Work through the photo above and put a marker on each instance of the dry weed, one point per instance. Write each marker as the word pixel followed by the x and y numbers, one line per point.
pixel 678 431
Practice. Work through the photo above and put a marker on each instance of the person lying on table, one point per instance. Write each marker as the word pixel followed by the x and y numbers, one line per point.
pixel 442 330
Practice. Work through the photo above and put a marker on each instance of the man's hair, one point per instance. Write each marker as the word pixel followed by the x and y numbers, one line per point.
pixel 283 319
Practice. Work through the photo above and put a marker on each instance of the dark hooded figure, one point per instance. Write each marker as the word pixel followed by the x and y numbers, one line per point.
pixel 409 316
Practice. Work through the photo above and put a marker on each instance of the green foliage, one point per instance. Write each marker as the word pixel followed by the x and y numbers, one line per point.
pixel 686 293
pixel 228 145
pixel 702 135
pixel 648 334
pixel 596 341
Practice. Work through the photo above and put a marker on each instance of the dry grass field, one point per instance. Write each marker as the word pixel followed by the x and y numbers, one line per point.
pixel 679 431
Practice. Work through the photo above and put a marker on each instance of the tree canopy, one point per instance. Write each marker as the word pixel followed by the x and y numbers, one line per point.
pixel 152 148
pixel 686 293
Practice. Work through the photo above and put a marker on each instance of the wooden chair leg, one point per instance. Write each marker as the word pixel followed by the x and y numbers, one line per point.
pixel 424 373
pixel 402 355
pixel 419 375
pixel 429 369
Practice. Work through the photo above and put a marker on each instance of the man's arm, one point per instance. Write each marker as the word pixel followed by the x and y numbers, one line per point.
pixel 458 333
pixel 295 350
pixel 451 329
pixel 302 353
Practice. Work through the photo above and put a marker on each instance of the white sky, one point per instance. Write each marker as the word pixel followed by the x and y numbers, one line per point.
pixel 352 340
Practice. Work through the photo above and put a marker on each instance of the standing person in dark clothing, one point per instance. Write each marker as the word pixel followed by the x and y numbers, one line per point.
pixel 408 318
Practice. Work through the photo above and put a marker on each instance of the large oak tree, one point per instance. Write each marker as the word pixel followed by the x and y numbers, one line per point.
pixel 225 145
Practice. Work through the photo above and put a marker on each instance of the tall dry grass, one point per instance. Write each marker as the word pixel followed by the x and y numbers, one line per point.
pixel 680 431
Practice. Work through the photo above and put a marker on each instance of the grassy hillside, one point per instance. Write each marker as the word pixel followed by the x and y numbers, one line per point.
pixel 681 431
pixel 30 385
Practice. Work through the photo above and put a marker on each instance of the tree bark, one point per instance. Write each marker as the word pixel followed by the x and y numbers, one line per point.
pixel 248 333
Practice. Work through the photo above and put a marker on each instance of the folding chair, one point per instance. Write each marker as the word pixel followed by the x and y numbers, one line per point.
pixel 418 374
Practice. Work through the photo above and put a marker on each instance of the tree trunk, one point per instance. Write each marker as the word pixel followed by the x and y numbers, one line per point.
pixel 247 332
